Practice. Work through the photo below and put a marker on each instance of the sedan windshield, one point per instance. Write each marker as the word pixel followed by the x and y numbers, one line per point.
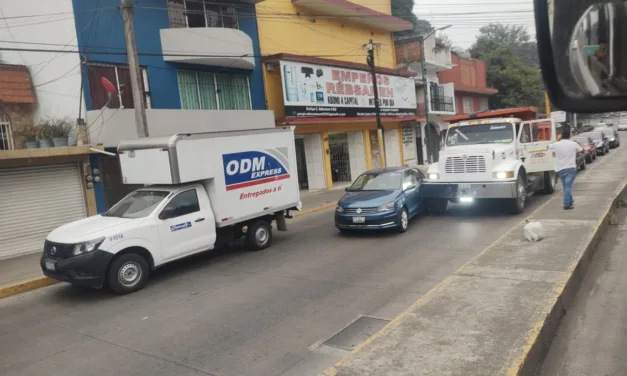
pixel 386 181
pixel 596 136
pixel 138 204
pixel 500 133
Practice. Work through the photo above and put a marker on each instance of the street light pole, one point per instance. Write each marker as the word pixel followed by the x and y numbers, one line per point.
pixel 133 65
pixel 377 109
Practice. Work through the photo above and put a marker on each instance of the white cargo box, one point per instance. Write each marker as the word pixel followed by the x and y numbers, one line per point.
pixel 245 173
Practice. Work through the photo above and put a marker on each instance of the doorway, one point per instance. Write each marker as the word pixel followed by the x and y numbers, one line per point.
pixel 375 153
pixel 432 138
pixel 419 151
pixel 301 163
pixel 340 158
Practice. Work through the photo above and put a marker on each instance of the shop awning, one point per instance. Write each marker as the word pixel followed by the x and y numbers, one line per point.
pixel 356 13
pixel 475 90
pixel 365 119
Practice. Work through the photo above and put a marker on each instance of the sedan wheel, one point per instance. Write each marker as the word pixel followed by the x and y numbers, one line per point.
pixel 403 220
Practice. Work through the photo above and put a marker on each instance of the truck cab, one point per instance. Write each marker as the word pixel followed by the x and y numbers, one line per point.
pixel 496 157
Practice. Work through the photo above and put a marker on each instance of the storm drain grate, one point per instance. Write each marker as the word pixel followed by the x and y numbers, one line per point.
pixel 357 332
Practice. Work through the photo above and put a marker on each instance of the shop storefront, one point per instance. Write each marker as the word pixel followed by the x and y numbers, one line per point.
pixel 331 106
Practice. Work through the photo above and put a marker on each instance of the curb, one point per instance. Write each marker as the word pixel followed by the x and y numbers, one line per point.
pixel 34 284
pixel 314 210
pixel 24 286
pixel 540 338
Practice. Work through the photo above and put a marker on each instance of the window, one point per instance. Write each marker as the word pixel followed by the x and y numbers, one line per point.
pixel 525 134
pixel 120 76
pixel 468 106
pixel 6 137
pixel 209 91
pixel 409 179
pixel 184 203
pixel 483 105
pixel 202 13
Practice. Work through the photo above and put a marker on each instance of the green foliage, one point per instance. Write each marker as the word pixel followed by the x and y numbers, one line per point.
pixel 55 127
pixel 511 66
pixel 404 9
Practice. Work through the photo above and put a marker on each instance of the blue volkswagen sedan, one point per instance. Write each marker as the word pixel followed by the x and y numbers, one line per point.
pixel 380 199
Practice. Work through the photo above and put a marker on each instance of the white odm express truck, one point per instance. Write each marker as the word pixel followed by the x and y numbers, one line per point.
pixel 504 159
pixel 202 191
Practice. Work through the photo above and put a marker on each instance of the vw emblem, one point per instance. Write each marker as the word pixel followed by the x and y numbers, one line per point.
pixel 464 156
pixel 53 251
pixel 359 211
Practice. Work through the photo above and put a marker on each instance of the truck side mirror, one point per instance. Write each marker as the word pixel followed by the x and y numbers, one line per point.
pixel 167 213
pixel 582 45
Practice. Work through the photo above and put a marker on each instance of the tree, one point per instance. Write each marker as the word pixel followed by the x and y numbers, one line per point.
pixel 514 36
pixel 405 9
pixel 446 41
pixel 517 78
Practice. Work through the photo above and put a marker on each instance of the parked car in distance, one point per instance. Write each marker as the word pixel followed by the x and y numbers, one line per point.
pixel 380 199
pixel 612 135
pixel 600 140
pixel 581 160
pixel 622 124
pixel 589 148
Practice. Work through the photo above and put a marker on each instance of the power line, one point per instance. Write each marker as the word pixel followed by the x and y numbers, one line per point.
pixel 158 54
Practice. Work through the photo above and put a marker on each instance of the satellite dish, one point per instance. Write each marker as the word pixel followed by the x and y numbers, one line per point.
pixel 108 86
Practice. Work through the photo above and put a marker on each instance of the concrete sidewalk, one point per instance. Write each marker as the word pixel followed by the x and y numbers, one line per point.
pixel 497 314
pixel 23 273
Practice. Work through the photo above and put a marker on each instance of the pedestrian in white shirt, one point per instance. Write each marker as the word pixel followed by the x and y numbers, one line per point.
pixel 566 164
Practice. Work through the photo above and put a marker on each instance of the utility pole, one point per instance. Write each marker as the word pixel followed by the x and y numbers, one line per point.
pixel 133 64
pixel 425 89
pixel 547 104
pixel 377 109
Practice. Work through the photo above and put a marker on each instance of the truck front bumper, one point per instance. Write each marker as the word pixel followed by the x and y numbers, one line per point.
pixel 87 270
pixel 455 191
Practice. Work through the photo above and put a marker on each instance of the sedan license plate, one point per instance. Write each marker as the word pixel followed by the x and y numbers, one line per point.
pixel 51 265
pixel 359 219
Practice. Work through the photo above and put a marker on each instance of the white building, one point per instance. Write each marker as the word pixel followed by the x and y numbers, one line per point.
pixel 421 140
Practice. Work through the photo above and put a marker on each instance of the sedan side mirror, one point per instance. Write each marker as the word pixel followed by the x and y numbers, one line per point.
pixel 346 189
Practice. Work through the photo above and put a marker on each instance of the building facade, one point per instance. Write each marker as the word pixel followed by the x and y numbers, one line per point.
pixel 41 187
pixel 421 140
pixel 469 77
pixel 317 80
pixel 200 60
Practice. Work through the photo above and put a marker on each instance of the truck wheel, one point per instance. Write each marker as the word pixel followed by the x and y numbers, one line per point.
pixel 437 205
pixel 550 181
pixel 259 235
pixel 518 203
pixel 128 273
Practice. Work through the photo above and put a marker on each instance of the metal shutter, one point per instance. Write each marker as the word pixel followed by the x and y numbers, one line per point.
pixel 33 202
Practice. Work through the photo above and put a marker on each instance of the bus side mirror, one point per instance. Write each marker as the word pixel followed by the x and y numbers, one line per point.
pixel 582 46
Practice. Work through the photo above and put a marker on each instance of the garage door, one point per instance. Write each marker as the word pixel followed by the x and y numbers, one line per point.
pixel 33 202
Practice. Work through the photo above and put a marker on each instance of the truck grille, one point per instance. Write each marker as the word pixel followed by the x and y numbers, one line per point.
pixel 62 251
pixel 364 211
pixel 471 165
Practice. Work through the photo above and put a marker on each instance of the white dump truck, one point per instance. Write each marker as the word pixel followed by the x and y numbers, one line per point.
pixel 493 156
pixel 202 191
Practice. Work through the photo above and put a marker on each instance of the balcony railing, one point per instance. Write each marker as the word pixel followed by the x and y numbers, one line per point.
pixel 442 103
pixel 199 13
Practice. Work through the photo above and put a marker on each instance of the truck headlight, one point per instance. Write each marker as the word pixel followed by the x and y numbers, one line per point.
pixel 433 176
pixel 504 175
pixel 612 139
pixel 86 247
pixel 386 207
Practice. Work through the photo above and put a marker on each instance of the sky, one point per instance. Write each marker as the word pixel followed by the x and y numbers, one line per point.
pixel 467 16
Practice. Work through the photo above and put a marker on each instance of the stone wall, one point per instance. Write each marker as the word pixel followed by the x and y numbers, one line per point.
pixel 20 116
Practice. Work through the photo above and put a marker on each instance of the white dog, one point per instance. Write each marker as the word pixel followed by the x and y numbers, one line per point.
pixel 534 231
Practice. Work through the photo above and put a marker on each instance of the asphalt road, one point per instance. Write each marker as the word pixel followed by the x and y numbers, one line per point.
pixel 593 336
pixel 239 313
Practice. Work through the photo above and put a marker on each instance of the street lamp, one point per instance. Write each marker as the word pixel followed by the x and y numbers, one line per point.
pixel 421 40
